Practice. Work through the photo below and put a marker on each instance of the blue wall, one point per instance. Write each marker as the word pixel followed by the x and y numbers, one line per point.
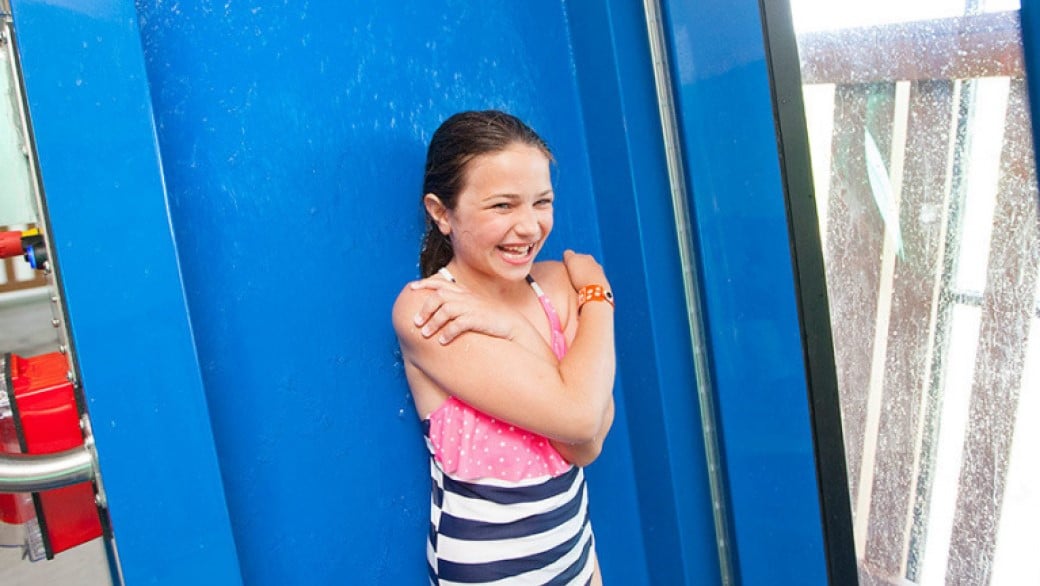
pixel 293 140
pixel 230 299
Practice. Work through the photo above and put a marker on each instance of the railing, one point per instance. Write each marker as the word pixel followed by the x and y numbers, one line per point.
pixel 927 197
pixel 35 473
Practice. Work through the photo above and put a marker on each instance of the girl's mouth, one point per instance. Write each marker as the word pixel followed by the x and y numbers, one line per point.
pixel 517 253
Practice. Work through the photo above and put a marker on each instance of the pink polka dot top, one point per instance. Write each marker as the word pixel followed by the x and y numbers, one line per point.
pixel 469 444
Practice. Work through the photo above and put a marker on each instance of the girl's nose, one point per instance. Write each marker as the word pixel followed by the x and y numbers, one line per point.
pixel 527 223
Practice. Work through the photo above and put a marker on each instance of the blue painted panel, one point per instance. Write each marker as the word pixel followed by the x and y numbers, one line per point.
pixel 641 248
pixel 293 138
pixel 90 108
pixel 729 142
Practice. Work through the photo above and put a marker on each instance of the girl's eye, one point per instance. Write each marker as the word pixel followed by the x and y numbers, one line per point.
pixel 543 202
pixel 501 206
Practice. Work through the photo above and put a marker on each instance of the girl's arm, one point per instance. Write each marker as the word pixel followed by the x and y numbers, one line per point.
pixel 453 310
pixel 508 377
pixel 586 453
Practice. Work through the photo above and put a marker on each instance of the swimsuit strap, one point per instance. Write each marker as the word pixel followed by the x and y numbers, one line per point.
pixel 557 340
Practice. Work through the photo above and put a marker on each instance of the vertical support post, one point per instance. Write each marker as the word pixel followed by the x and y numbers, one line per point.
pixel 754 319
pixel 116 263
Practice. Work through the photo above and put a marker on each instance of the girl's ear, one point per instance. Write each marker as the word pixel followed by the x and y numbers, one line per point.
pixel 438 212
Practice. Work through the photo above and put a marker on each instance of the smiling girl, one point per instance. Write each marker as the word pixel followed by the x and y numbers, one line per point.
pixel 510 362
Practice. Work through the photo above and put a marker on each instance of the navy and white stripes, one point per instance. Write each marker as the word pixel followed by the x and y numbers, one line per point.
pixel 499 532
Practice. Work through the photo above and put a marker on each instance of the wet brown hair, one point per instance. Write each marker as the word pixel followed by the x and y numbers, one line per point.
pixel 454 144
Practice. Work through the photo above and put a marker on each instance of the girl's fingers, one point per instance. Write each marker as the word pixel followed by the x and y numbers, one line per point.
pixel 449 310
pixel 431 283
pixel 442 315
pixel 473 321
pixel 430 305
pixel 440 292
pixel 451 330
pixel 583 269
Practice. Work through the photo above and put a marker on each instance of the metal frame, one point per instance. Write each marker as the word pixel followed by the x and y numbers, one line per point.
pixel 691 288
pixel 807 254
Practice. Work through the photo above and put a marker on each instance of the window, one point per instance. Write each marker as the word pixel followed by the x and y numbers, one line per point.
pixel 927 198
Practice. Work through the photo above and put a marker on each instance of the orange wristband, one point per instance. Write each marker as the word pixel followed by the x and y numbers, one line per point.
pixel 594 293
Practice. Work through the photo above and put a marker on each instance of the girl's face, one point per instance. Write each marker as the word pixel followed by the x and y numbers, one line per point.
pixel 503 214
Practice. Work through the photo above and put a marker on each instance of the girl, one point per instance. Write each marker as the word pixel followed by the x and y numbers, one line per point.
pixel 510 362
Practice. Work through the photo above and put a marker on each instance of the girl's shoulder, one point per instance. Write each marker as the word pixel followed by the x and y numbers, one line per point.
pixel 553 278
pixel 551 275
pixel 406 304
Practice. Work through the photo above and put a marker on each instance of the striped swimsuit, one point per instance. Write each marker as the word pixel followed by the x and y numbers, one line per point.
pixel 505 508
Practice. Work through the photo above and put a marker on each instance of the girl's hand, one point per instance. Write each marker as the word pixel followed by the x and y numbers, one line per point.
pixel 451 310
pixel 584 270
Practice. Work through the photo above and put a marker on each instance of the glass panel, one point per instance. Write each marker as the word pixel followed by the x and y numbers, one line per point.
pixel 16 197
pixel 1016 537
pixel 926 190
